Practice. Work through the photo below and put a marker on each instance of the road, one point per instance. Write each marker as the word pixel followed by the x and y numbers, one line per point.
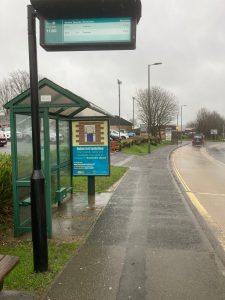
pixel 217 150
pixel 6 148
pixel 201 171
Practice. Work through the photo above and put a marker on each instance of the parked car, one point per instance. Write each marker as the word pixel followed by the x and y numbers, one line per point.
pixel 27 135
pixel 131 134
pixel 198 140
pixel 3 139
pixel 124 134
pixel 114 134
pixel 7 132
pixel 52 136
pixel 19 134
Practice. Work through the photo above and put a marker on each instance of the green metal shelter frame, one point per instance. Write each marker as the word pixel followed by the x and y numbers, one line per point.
pixel 58 108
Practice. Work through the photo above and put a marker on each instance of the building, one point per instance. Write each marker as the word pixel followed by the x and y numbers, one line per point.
pixel 116 122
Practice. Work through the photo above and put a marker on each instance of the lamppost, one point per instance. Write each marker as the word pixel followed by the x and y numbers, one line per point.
pixel 119 83
pixel 133 111
pixel 149 105
pixel 181 112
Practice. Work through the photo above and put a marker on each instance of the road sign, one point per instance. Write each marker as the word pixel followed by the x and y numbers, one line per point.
pixel 88 34
pixel 143 128
pixel 213 131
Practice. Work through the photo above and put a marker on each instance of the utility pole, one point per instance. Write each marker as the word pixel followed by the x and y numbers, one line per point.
pixel 133 111
pixel 119 83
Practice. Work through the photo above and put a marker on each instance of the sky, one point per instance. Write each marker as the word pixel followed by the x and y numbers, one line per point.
pixel 188 37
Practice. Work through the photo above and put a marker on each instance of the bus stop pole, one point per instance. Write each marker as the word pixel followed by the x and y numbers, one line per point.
pixel 91 192
pixel 38 205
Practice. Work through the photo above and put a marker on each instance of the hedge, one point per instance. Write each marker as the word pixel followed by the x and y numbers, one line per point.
pixel 5 188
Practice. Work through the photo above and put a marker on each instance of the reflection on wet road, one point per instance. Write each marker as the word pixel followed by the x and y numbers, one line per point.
pixel 217 150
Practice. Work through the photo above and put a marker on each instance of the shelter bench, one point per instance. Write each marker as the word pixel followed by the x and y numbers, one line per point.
pixel 7 264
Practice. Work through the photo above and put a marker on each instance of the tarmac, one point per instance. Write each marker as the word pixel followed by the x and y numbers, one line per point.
pixel 141 242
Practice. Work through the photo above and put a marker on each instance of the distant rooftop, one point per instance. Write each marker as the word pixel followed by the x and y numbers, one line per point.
pixel 116 120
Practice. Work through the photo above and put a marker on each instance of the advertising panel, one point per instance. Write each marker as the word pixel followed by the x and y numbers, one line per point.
pixel 90 148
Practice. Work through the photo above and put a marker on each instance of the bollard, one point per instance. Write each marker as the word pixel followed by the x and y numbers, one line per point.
pixel 91 192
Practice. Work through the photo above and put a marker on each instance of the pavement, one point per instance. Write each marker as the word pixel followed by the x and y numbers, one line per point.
pixel 143 241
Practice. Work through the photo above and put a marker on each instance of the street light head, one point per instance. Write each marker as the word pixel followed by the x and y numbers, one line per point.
pixel 119 82
pixel 155 64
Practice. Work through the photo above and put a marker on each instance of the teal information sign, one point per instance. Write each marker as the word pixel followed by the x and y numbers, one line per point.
pixel 90 148
pixel 87 32
pixel 90 161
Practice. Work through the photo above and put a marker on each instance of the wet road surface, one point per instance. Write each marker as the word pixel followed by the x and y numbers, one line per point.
pixel 217 151
pixel 204 177
pixel 146 245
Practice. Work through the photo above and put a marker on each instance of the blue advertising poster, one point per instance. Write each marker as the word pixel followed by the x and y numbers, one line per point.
pixel 90 148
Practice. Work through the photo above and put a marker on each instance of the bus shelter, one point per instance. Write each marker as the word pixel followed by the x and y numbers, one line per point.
pixel 58 109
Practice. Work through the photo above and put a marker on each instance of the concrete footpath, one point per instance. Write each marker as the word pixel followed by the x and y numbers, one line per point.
pixel 146 244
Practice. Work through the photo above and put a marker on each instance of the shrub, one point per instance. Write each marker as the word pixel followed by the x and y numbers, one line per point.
pixel 5 188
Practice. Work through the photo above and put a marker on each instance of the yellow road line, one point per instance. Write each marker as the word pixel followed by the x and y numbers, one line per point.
pixel 198 205
pixel 185 186
pixel 202 211
pixel 211 194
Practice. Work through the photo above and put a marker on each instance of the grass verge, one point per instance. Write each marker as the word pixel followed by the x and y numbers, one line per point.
pixel 22 277
pixel 143 148
pixel 102 183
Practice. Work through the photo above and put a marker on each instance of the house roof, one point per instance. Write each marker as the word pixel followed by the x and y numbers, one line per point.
pixel 116 120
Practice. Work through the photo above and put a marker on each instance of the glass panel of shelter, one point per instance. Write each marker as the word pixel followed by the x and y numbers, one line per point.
pixel 58 160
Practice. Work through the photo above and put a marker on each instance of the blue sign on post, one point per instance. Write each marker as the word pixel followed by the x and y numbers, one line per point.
pixel 90 148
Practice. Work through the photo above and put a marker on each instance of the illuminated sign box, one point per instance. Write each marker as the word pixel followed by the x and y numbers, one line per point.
pixel 88 34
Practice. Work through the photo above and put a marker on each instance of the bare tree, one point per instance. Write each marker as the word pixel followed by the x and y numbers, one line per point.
pixel 17 82
pixel 206 120
pixel 163 108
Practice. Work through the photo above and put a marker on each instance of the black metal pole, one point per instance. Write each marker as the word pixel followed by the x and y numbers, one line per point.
pixel 181 123
pixel 91 192
pixel 119 83
pixel 149 111
pixel 38 205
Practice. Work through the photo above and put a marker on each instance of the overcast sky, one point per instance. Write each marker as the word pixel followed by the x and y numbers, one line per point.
pixel 188 37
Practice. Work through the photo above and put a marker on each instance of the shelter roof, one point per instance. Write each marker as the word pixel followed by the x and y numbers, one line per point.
pixel 60 101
